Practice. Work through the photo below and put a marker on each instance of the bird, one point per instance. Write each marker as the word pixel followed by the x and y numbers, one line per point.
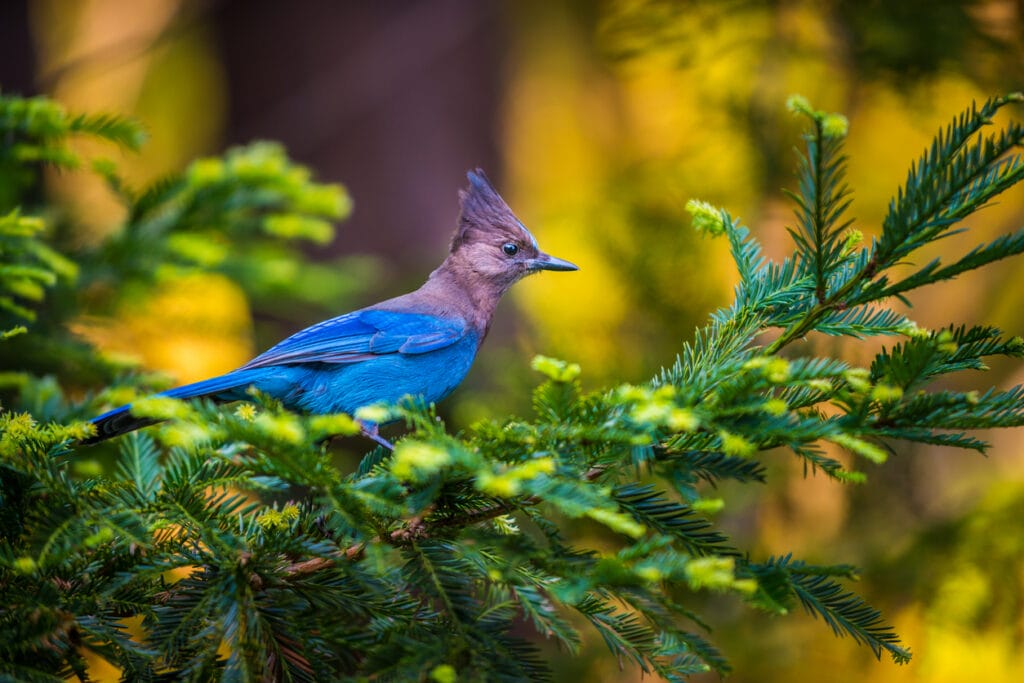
pixel 418 344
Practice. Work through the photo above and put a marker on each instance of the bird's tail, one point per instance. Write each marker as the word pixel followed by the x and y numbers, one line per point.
pixel 119 421
pixel 116 422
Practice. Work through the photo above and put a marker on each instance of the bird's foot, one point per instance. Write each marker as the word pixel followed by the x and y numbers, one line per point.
pixel 371 431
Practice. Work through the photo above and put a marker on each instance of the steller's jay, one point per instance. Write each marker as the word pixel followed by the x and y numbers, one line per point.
pixel 421 343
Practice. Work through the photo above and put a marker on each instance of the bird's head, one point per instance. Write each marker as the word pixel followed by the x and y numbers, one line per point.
pixel 491 243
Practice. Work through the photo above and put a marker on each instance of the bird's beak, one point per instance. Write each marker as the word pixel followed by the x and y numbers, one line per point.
pixel 548 262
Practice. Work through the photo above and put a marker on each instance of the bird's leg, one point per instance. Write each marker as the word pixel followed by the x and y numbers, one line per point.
pixel 371 431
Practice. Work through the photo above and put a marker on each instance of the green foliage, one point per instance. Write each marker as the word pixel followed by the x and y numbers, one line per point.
pixel 27 267
pixel 231 214
pixel 230 544
pixel 245 215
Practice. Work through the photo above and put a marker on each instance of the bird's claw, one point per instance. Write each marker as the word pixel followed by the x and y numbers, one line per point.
pixel 371 431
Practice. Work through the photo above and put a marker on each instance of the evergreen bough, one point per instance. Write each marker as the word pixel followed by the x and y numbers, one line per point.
pixel 424 563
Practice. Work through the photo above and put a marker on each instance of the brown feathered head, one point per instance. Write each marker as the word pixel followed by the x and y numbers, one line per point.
pixel 491 242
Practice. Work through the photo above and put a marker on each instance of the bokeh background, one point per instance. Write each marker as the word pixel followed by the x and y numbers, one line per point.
pixel 597 120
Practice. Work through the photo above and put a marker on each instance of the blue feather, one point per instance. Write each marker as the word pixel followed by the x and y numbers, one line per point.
pixel 355 336
pixel 340 365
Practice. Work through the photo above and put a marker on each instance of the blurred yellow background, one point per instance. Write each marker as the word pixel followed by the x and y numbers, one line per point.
pixel 598 120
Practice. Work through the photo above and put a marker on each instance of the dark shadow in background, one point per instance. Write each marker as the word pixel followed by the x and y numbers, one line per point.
pixel 17 54
pixel 395 98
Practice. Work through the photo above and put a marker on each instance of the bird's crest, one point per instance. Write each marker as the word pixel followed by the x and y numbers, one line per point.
pixel 483 209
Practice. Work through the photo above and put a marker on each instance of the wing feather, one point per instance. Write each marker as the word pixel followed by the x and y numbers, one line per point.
pixel 361 335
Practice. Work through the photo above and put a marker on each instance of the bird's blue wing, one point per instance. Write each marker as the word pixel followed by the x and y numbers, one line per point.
pixel 361 335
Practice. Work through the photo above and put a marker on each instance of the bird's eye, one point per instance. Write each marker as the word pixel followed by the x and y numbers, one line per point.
pixel 510 249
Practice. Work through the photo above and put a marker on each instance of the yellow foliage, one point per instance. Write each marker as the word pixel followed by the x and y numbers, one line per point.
pixel 193 327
